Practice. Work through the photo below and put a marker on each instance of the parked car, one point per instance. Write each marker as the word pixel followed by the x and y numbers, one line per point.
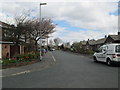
pixel 52 49
pixel 109 53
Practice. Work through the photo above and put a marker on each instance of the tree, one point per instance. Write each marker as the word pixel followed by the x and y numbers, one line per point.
pixel 41 29
pixel 51 42
pixel 57 41
pixel 16 32
pixel 76 46
pixel 26 29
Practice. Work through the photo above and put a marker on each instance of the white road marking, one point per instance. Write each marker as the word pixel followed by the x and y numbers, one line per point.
pixel 20 73
pixel 53 57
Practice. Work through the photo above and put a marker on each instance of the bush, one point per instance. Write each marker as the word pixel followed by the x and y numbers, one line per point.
pixel 21 58
pixel 7 61
pixel 78 48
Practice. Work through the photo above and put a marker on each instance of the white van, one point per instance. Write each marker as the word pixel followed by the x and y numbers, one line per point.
pixel 108 53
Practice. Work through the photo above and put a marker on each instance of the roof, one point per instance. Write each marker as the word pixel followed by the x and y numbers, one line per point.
pixel 2 24
pixel 114 37
pixel 5 42
pixel 100 41
pixel 91 42
pixel 113 44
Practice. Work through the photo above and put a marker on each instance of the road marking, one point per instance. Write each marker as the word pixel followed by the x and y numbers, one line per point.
pixel 53 57
pixel 20 73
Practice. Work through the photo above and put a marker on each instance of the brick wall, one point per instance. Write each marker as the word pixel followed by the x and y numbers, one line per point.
pixel 5 50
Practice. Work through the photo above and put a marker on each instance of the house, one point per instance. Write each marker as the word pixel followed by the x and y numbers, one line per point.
pixel 67 45
pixel 113 38
pixel 100 42
pixel 5 49
pixel 90 44
pixel 9 50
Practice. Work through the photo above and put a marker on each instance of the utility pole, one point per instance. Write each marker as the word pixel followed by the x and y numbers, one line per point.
pixel 41 30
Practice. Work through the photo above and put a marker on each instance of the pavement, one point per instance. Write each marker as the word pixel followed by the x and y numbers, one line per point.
pixel 47 61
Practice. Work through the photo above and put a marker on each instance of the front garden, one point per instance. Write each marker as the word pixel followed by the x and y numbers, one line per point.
pixel 20 60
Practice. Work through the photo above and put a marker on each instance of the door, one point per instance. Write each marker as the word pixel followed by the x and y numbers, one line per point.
pixel 99 54
pixel 14 50
pixel 104 53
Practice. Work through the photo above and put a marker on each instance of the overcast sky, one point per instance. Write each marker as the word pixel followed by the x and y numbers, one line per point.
pixel 76 19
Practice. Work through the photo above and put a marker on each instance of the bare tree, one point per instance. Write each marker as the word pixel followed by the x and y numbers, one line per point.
pixel 41 30
pixel 51 42
pixel 29 29
pixel 57 41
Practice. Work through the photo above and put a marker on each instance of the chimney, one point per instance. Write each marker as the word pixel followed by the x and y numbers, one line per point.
pixel 105 36
pixel 118 35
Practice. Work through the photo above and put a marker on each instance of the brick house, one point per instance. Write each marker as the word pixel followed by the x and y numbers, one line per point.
pixel 9 50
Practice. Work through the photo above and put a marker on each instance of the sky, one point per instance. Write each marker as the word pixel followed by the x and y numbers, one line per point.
pixel 76 20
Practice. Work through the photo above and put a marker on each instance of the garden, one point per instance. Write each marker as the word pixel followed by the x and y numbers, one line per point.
pixel 20 60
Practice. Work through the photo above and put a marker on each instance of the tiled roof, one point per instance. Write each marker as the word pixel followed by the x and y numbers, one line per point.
pixel 100 41
pixel 91 42
pixel 114 37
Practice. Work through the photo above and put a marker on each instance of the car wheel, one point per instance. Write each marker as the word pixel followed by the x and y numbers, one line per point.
pixel 95 59
pixel 108 62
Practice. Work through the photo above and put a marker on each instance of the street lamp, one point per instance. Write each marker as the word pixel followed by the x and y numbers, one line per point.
pixel 40 31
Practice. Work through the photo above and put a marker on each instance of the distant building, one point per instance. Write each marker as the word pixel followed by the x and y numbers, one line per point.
pixel 93 44
pixel 67 45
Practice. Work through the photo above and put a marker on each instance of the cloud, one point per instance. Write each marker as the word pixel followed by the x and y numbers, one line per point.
pixel 93 15
pixel 71 36
pixel 59 0
pixel 89 15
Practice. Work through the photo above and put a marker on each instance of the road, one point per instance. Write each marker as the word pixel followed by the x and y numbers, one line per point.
pixel 70 71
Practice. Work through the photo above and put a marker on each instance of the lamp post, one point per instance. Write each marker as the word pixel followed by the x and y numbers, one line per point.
pixel 40 31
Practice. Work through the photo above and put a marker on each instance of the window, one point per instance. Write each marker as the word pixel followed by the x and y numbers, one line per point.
pixel 100 49
pixel 105 48
pixel 117 49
